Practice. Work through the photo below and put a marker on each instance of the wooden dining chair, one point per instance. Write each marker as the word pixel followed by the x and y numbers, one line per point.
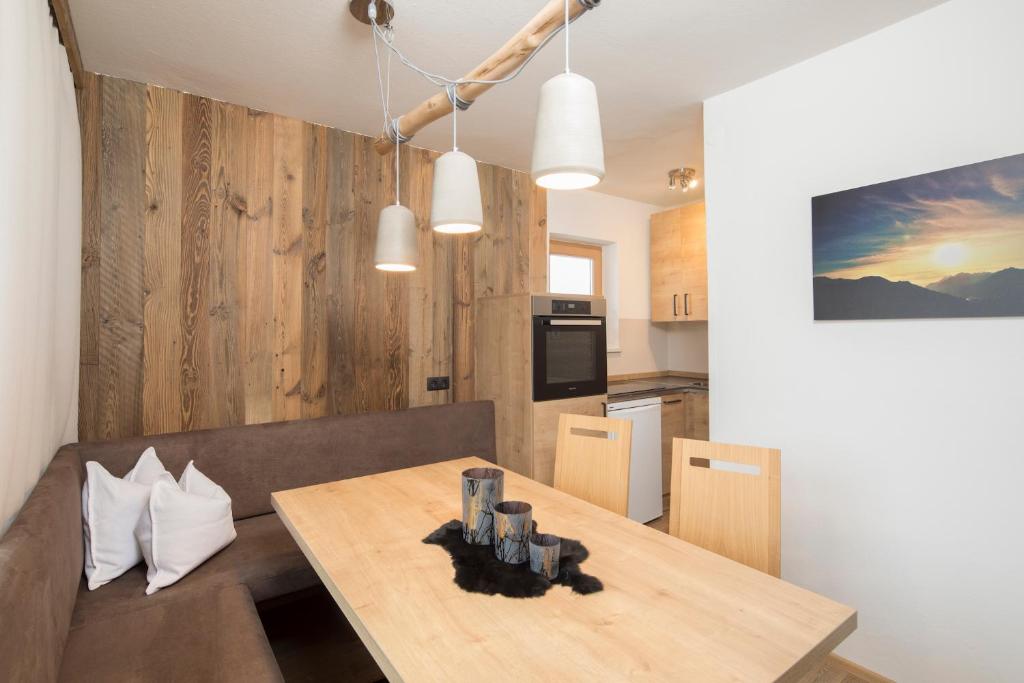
pixel 592 460
pixel 727 499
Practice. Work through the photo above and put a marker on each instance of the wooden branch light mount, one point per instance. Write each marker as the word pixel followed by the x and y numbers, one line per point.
pixel 509 57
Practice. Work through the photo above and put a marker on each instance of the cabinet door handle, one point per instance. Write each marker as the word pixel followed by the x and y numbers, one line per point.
pixel 686 304
pixel 604 409
pixel 678 400
pixel 675 298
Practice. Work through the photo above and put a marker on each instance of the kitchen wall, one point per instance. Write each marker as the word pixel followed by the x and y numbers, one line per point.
pixel 901 440
pixel 41 200
pixel 622 226
pixel 228 269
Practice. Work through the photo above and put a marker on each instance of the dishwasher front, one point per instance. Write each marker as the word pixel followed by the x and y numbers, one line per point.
pixel 645 498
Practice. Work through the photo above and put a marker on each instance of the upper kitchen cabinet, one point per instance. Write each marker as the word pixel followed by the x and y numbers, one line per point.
pixel 679 265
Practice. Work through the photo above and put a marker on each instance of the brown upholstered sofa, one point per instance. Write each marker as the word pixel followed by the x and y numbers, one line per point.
pixel 206 626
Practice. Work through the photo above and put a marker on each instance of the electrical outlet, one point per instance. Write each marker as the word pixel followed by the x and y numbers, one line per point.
pixel 437 384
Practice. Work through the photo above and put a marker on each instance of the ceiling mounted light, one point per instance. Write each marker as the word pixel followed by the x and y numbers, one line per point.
pixel 683 178
pixel 456 206
pixel 568 152
pixel 397 242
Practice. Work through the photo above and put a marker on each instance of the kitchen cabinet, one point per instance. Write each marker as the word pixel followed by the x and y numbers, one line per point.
pixel 673 424
pixel 679 265
pixel 545 430
pixel 682 416
pixel 696 426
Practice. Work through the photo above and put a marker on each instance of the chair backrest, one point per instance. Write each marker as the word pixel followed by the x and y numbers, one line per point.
pixel 727 499
pixel 592 460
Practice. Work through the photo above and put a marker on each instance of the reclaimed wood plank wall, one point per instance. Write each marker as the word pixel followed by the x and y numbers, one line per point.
pixel 227 268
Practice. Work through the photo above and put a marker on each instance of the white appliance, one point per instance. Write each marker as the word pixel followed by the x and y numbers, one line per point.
pixel 645 502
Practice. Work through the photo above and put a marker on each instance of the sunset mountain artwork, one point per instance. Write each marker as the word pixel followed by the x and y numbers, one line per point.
pixel 948 244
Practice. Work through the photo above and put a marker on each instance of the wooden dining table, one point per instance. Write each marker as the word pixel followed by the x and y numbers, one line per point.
pixel 669 611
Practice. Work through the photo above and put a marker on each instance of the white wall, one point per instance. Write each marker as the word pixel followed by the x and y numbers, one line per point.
pixel 623 228
pixel 40 262
pixel 687 346
pixel 902 441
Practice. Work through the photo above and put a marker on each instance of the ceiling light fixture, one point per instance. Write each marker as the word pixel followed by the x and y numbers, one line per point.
pixel 568 151
pixel 456 207
pixel 397 243
pixel 683 178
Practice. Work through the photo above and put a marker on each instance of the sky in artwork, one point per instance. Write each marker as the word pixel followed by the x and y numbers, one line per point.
pixel 968 219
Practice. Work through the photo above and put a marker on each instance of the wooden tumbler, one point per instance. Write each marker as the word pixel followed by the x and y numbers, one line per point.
pixel 513 524
pixel 544 550
pixel 482 489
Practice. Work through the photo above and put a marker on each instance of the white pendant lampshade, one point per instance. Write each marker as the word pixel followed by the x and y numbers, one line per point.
pixel 568 153
pixel 397 246
pixel 456 206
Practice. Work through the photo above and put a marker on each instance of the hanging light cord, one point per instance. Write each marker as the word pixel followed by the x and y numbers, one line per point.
pixel 385 99
pixel 566 27
pixel 398 167
pixel 455 126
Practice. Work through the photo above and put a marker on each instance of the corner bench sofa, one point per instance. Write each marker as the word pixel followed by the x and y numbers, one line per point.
pixel 205 627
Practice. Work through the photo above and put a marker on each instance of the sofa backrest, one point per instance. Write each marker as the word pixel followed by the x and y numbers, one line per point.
pixel 40 566
pixel 253 461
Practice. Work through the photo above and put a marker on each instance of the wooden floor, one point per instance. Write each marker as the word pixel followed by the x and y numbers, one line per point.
pixel 833 670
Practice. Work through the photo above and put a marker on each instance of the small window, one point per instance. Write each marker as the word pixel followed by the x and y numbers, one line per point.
pixel 574 268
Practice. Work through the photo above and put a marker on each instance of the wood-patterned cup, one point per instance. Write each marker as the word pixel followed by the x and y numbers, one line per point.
pixel 482 489
pixel 544 549
pixel 513 524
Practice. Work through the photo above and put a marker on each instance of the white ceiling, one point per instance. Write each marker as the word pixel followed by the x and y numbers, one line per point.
pixel 654 62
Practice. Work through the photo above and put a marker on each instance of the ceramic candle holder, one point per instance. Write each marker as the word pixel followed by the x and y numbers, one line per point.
pixel 544 550
pixel 482 489
pixel 513 524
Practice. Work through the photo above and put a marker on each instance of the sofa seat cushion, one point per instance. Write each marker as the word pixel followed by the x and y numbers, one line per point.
pixel 215 635
pixel 263 557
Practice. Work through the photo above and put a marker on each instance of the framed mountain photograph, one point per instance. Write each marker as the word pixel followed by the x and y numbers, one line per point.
pixel 948 244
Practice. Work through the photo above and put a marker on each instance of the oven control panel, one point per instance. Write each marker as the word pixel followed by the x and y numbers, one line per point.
pixel 568 307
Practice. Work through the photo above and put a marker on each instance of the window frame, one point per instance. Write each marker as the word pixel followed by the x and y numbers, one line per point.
pixel 593 252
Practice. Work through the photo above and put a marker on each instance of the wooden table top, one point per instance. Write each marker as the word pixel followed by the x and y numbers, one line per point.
pixel 669 610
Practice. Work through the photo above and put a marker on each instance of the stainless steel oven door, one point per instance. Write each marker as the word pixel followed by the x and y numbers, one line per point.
pixel 569 357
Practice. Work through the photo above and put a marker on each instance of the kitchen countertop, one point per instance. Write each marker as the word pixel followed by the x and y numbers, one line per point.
pixel 662 385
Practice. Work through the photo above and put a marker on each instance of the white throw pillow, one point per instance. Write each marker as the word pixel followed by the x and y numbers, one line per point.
pixel 185 524
pixel 111 507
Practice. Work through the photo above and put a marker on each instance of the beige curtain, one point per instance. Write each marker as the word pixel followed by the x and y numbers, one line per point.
pixel 40 249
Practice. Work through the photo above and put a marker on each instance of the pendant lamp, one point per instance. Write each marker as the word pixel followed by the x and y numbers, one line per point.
pixel 456 206
pixel 568 152
pixel 397 243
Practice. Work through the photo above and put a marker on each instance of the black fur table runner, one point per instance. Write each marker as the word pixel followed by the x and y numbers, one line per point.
pixel 477 570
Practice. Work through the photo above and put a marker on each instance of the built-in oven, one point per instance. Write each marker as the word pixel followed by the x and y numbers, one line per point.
pixel 570 346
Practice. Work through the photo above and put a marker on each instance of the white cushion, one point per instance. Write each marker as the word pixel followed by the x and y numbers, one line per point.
pixel 111 507
pixel 184 525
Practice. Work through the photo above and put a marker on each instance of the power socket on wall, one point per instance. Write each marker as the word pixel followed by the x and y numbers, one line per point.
pixel 437 384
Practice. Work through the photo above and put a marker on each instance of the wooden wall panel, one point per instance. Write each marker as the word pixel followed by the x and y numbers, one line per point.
pixel 342 256
pixel 196 159
pixel 287 268
pixel 258 315
pixel 228 225
pixel 227 268
pixel 90 119
pixel 162 312
pixel 315 220
pixel 122 168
